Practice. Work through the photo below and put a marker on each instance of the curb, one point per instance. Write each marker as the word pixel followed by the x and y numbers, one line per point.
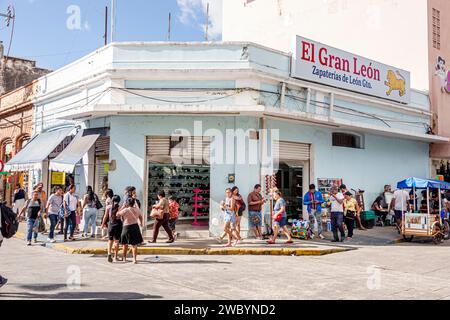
pixel 205 251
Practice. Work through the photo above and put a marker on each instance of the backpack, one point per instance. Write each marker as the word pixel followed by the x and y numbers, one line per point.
pixel 10 223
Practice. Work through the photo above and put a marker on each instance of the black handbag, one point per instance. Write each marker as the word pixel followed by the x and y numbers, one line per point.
pixel 98 204
pixel 351 215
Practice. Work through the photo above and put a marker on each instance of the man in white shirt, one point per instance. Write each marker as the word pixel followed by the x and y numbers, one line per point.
pixel 71 203
pixel 337 214
pixel 400 205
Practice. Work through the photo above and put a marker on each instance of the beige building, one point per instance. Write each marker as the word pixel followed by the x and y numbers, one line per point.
pixel 410 34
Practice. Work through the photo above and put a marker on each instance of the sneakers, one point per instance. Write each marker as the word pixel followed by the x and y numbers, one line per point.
pixel 51 240
pixel 28 243
pixel 34 240
pixel 110 259
pixel 321 237
pixel 3 281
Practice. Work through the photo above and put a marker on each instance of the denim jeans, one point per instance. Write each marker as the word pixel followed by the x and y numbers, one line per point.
pixel 70 222
pixel 337 224
pixel 53 222
pixel 314 215
pixel 90 217
pixel 30 233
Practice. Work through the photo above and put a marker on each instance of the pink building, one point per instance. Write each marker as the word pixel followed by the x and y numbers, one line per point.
pixel 439 68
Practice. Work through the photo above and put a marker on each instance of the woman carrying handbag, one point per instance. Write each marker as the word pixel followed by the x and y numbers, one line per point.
pixel 280 219
pixel 351 210
pixel 161 213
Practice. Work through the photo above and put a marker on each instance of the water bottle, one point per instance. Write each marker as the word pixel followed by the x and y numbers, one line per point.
pixel 329 225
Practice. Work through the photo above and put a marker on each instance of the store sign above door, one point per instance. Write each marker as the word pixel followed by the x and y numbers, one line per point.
pixel 323 64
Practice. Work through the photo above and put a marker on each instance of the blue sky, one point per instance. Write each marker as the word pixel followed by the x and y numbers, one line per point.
pixel 52 33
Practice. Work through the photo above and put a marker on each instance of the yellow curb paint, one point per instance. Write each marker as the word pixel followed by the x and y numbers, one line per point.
pixel 206 251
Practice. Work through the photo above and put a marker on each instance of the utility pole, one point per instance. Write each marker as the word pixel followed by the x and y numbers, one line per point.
pixel 170 27
pixel 105 36
pixel 207 22
pixel 9 16
pixel 113 20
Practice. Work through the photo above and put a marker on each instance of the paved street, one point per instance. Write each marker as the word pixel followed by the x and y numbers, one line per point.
pixel 409 271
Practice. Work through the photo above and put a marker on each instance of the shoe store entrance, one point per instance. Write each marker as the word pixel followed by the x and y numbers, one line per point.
pixel 293 176
pixel 180 167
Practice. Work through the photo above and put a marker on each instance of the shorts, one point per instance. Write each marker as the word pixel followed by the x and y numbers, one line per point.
pixel 281 223
pixel 230 217
pixel 173 223
pixel 255 218
pixel 115 231
pixel 399 214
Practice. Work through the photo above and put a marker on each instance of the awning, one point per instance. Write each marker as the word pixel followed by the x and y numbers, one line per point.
pixel 422 184
pixel 70 156
pixel 37 150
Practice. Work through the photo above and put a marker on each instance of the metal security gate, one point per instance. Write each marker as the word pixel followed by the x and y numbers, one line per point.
pixel 292 150
pixel 164 149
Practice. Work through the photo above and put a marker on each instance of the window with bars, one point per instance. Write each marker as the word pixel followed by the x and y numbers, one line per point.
pixel 436 29
pixel 347 140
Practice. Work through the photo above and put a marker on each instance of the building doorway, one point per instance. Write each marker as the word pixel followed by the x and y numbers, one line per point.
pixel 172 167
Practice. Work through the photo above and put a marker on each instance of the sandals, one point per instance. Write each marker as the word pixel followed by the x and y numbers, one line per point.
pixel 289 242
pixel 270 242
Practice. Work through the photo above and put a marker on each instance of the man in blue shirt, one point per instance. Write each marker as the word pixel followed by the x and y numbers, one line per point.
pixel 314 199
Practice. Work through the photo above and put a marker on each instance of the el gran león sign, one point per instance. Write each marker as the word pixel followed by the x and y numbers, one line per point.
pixel 323 64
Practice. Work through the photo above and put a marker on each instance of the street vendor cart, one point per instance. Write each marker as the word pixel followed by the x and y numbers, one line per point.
pixel 431 223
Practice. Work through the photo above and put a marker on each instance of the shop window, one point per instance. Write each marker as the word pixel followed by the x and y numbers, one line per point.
pixel 185 183
pixel 347 140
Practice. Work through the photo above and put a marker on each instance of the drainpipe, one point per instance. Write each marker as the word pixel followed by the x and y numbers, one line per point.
pixel 283 96
pixel 308 100
pixel 330 116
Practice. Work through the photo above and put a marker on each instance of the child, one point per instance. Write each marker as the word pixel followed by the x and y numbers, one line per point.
pixel 174 208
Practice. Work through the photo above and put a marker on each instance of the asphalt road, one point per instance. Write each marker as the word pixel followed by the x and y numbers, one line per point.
pixel 412 271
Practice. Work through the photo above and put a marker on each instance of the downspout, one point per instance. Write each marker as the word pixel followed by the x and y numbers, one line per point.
pixel 283 96
pixel 308 100
pixel 330 115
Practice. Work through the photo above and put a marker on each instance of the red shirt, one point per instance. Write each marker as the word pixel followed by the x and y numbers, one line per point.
pixel 174 208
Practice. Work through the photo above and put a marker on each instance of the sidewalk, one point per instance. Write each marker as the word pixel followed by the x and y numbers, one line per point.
pixel 204 246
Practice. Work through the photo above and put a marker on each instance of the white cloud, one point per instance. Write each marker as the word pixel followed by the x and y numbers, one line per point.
pixel 193 12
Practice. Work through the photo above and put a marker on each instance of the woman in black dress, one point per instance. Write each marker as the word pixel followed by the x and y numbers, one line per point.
pixel 131 233
pixel 114 229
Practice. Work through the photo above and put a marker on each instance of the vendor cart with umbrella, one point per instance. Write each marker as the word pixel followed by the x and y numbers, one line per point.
pixel 429 223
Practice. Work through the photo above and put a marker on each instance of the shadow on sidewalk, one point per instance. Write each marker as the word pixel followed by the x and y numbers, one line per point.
pixel 162 259
pixel 80 295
